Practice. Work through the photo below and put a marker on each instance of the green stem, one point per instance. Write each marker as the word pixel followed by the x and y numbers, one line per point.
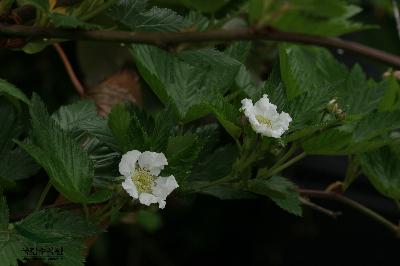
pixel 43 196
pixel 347 201
pixel 98 10
pixel 284 158
pixel 286 165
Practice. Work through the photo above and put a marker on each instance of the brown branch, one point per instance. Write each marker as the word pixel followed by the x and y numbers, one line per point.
pixel 320 209
pixel 167 38
pixel 71 73
pixel 355 205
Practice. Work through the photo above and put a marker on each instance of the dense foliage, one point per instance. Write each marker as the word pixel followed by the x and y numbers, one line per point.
pixel 195 118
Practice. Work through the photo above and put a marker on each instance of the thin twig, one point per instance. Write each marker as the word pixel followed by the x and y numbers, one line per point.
pixel 70 70
pixel 347 201
pixel 320 209
pixel 167 38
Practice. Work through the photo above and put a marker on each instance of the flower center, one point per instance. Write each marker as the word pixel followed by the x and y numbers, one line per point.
pixel 143 180
pixel 263 120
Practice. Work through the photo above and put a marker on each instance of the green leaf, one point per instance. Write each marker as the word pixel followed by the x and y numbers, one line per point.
pixel 52 225
pixel 187 81
pixel 10 90
pixel 357 97
pixel 226 193
pixel 382 167
pixel 228 115
pixel 11 250
pixel 327 18
pixel 391 99
pixel 304 69
pixel 14 164
pixel 181 153
pixel 70 22
pixel 43 5
pixel 67 164
pixel 206 6
pixel 151 221
pixel 215 165
pixel 135 15
pixel 280 190
pixel 126 129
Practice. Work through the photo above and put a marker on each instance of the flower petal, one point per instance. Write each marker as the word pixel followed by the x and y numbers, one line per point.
pixel 130 187
pixel 153 161
pixel 128 163
pixel 164 186
pixel 147 198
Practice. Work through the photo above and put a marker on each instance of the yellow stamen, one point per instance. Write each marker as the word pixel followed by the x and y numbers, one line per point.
pixel 263 120
pixel 143 180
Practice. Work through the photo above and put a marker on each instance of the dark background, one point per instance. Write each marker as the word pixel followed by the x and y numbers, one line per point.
pixel 203 230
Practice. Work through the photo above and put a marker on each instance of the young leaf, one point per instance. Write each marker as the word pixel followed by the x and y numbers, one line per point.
pixel 280 190
pixel 70 22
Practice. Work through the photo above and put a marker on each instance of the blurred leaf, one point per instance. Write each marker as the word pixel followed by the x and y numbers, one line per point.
pixel 382 167
pixel 227 193
pixel 70 22
pixel 206 6
pixel 280 190
pixel 10 90
pixel 327 18
pixel 151 221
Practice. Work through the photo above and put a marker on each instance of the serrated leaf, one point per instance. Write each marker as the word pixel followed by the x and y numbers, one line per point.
pixel 304 69
pixel 187 81
pixel 280 190
pixel 135 15
pixel 357 97
pixel 391 98
pixel 228 115
pixel 215 165
pixel 52 225
pixel 67 164
pixel 10 90
pixel 181 153
pixel 382 167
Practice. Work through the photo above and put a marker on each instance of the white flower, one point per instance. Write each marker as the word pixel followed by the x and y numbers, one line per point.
pixel 142 182
pixel 264 118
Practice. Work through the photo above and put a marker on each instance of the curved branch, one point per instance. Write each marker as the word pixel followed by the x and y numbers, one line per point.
pixel 70 70
pixel 167 38
pixel 349 202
